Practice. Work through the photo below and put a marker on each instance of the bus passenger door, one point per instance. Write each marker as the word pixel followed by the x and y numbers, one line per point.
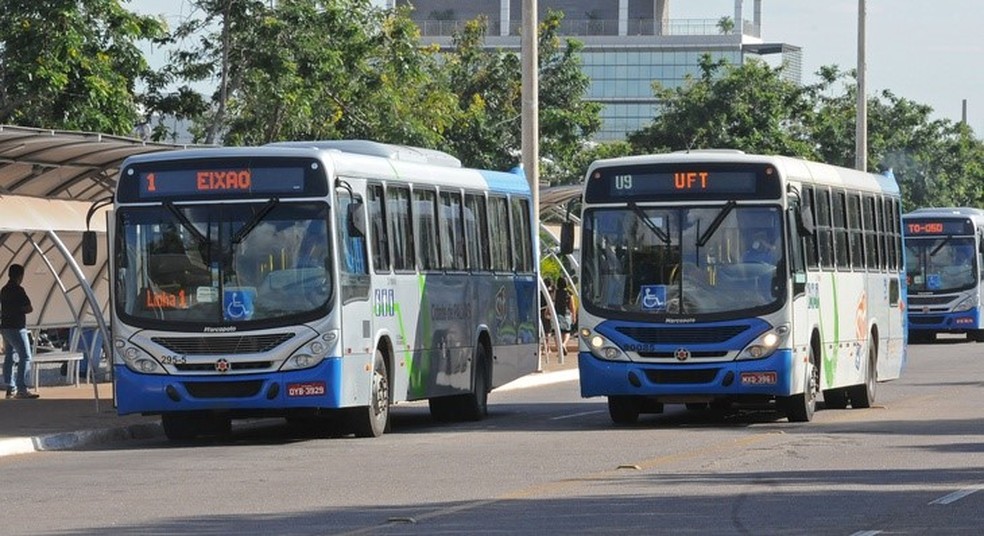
pixel 353 283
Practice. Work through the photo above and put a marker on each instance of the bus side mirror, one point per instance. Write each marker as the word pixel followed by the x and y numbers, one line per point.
pixel 805 220
pixel 356 224
pixel 89 248
pixel 567 238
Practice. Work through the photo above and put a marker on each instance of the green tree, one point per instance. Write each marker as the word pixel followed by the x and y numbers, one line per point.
pixel 487 133
pixel 72 64
pixel 936 162
pixel 748 107
pixel 313 69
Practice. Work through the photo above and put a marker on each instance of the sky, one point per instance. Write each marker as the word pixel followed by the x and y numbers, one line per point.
pixel 927 51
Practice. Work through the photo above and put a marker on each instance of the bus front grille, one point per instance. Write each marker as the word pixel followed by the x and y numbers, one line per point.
pixel 245 389
pixel 693 355
pixel 682 335
pixel 234 366
pixel 239 344
pixel 682 376
pixel 919 301
pixel 931 319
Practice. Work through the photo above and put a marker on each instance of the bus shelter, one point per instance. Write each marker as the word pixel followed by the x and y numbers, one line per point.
pixel 49 181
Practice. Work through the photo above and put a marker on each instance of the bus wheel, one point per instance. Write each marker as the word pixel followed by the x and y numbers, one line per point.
pixel 835 398
pixel 800 407
pixel 863 396
pixel 976 335
pixel 623 409
pixel 373 420
pixel 475 405
pixel 183 426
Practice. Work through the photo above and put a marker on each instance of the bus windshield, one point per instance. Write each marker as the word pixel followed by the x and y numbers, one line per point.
pixel 720 260
pixel 940 264
pixel 261 264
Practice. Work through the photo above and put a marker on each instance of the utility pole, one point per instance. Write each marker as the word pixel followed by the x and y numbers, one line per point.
pixel 530 106
pixel 861 132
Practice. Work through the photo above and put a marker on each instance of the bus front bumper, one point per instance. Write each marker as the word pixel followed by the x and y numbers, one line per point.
pixel 266 393
pixel 761 377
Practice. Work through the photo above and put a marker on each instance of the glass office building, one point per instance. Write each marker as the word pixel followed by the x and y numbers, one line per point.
pixel 628 44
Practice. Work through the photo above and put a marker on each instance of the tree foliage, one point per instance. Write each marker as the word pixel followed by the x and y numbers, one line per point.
pixel 72 64
pixel 312 69
pixel 487 83
pixel 753 109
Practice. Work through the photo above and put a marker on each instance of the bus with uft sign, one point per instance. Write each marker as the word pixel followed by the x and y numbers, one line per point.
pixel 718 279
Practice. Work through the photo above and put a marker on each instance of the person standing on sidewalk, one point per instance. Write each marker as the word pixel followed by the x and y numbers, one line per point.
pixel 14 307
pixel 564 305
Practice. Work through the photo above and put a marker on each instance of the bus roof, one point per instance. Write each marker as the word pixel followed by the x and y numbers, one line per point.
pixel 946 211
pixel 366 159
pixel 796 169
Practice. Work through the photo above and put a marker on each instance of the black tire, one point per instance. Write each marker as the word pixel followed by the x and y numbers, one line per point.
pixel 863 396
pixel 184 426
pixel 443 409
pixel 180 426
pixel 373 420
pixel 976 335
pixel 802 406
pixel 623 410
pixel 475 405
pixel 835 398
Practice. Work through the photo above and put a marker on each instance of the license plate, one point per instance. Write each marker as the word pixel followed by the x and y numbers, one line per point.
pixel 758 378
pixel 306 389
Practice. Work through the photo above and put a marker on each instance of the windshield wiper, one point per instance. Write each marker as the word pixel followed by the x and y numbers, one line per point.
pixel 940 246
pixel 255 220
pixel 718 220
pixel 662 235
pixel 185 222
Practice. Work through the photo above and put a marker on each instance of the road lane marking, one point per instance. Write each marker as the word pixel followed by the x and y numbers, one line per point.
pixel 538 379
pixel 866 533
pixel 957 495
pixel 573 415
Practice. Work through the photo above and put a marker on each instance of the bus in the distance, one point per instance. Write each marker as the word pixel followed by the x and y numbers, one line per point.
pixel 719 278
pixel 943 267
pixel 317 281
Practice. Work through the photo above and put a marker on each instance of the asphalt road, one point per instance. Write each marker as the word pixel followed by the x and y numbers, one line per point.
pixel 547 462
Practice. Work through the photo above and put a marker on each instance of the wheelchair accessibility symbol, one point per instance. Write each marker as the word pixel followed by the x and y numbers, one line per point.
pixel 237 303
pixel 653 297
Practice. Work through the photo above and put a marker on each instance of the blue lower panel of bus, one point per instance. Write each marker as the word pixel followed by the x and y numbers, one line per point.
pixel 760 377
pixel 315 387
pixel 945 322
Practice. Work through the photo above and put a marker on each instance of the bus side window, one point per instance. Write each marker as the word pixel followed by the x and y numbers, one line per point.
pixel 378 229
pixel 354 268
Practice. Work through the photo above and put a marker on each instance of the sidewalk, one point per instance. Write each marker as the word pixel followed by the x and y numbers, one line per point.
pixel 66 417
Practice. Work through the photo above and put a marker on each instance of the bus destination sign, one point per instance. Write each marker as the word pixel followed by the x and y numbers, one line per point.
pixel 218 182
pixel 670 182
pixel 700 181
pixel 938 227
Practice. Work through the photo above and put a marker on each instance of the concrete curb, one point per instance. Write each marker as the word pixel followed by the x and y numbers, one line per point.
pixel 79 439
pixel 89 438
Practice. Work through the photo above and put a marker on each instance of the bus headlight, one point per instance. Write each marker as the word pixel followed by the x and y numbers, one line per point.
pixel 312 353
pixel 137 360
pixel 766 344
pixel 601 347
pixel 966 304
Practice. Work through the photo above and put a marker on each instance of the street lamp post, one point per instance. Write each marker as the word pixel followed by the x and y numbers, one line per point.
pixel 861 133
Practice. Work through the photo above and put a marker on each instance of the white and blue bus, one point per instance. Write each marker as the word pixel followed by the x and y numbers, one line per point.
pixel 312 280
pixel 943 265
pixel 715 278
